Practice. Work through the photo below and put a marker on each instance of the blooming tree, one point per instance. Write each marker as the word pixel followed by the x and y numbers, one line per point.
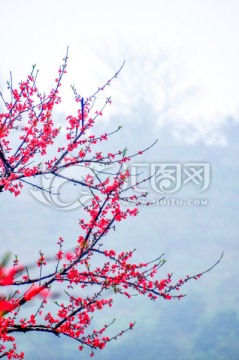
pixel 28 150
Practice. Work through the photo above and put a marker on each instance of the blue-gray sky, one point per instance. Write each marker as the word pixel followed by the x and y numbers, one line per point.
pixel 198 39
